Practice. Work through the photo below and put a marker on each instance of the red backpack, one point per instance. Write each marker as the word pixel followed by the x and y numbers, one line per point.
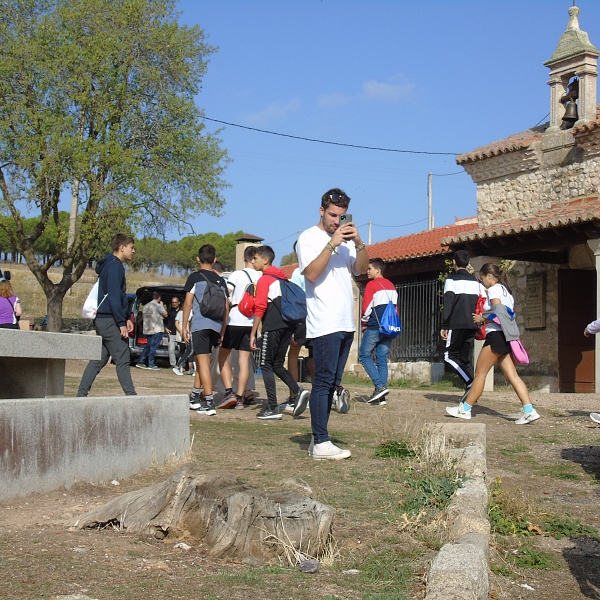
pixel 480 332
pixel 246 304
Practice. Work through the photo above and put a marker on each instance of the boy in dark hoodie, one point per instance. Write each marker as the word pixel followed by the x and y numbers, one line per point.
pixel 112 321
pixel 276 334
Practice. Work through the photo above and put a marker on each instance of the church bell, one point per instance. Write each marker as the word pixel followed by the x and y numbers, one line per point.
pixel 571 114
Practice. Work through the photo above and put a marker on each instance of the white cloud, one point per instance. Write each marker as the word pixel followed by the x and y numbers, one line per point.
pixel 333 100
pixel 273 112
pixel 389 92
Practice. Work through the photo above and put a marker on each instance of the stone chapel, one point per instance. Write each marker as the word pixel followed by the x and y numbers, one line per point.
pixel 538 211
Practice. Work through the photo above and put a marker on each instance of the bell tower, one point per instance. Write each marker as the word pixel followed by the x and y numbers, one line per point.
pixel 573 73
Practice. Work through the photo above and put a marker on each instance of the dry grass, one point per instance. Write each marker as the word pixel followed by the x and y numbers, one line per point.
pixel 33 299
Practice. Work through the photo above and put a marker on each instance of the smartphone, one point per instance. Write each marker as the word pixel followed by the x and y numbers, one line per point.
pixel 345 219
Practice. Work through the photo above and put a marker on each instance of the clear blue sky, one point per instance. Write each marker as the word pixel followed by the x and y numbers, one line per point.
pixel 441 76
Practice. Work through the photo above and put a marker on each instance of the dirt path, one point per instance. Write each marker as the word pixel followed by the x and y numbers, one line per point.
pixel 553 463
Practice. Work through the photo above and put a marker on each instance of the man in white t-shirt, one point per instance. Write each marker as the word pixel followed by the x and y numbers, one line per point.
pixel 328 255
pixel 237 334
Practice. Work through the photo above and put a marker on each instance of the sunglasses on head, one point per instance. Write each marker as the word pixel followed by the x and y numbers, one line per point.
pixel 338 197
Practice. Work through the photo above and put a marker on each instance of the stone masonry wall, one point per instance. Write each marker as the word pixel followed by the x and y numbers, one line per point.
pixel 541 344
pixel 510 197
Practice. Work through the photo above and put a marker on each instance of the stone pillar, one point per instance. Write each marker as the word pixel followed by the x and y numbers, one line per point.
pixel 595 248
pixel 587 91
pixel 488 386
pixel 556 108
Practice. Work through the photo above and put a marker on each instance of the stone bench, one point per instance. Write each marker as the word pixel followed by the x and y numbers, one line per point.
pixel 32 363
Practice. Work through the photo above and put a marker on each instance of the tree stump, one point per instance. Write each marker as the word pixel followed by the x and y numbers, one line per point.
pixel 234 519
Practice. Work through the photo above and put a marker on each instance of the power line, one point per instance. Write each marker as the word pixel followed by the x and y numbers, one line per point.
pixel 448 174
pixel 405 224
pixel 541 120
pixel 297 137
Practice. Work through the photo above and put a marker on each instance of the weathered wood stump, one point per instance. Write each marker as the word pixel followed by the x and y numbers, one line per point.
pixel 233 518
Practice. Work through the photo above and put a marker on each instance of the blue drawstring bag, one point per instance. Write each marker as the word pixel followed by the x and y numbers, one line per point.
pixel 389 325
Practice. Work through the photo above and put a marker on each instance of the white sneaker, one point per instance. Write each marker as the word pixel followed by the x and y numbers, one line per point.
pixel 341 398
pixel 527 417
pixel 177 371
pixel 329 451
pixel 459 411
pixel 595 417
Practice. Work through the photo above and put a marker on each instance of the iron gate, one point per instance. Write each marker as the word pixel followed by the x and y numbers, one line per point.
pixel 419 305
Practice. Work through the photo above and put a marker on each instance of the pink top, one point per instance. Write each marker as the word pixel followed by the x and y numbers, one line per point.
pixel 7 313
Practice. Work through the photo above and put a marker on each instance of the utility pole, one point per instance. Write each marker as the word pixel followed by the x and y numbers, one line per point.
pixel 430 201
pixel 370 231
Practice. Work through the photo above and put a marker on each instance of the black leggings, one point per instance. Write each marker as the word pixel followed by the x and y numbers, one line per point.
pixel 274 347
pixel 185 357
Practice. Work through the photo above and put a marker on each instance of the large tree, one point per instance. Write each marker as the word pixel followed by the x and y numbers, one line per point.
pixel 97 102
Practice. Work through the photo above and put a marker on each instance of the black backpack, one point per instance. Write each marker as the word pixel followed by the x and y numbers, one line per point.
pixel 214 300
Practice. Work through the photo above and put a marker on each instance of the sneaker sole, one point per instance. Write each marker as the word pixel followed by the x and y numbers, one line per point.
pixel 527 421
pixel 376 397
pixel 301 403
pixel 465 416
pixel 270 418
pixel 595 417
pixel 207 413
pixel 339 456
pixel 227 403
pixel 194 406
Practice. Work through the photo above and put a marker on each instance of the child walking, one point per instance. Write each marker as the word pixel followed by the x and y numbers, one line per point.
pixel 204 332
pixel 276 335
pixel 495 349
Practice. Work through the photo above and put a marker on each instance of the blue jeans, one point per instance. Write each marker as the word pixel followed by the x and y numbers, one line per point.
pixel 378 370
pixel 150 350
pixel 330 355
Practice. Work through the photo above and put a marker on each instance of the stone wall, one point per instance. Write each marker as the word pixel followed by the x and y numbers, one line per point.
pixel 510 197
pixel 541 344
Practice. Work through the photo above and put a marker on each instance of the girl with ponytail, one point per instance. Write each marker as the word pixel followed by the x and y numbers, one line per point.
pixel 495 349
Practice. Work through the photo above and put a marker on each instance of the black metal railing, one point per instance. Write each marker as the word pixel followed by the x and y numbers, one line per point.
pixel 419 305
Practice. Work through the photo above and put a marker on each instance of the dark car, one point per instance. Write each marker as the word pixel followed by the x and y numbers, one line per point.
pixel 137 340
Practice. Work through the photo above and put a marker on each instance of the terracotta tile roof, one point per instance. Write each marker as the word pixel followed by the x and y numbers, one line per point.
pixel 418 245
pixel 289 269
pixel 559 215
pixel 517 141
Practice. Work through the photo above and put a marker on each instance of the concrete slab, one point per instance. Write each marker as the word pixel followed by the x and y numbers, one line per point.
pixel 46 443
pixel 32 363
pixel 46 344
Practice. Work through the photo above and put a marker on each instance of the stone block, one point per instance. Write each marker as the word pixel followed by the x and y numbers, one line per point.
pixel 46 443
pixel 44 344
pixel 458 572
pixel 467 512
pixel 460 435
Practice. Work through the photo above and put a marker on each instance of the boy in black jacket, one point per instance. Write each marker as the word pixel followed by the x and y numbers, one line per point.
pixel 112 320
pixel 461 291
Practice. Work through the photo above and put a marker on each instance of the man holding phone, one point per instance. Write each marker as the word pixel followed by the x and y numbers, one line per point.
pixel 328 254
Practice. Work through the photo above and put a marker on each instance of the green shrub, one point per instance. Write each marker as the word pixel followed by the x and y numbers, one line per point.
pixel 393 449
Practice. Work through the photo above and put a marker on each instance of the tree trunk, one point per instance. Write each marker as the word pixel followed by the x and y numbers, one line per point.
pixel 232 518
pixel 54 307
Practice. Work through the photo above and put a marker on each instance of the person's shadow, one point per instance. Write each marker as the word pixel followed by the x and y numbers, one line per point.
pixel 586 456
pixel 584 565
pixel 452 400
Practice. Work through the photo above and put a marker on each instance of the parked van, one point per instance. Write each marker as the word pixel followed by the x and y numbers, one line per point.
pixel 137 340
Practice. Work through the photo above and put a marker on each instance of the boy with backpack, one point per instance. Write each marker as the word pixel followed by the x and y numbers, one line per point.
pixel 276 333
pixel 237 333
pixel 379 292
pixel 206 293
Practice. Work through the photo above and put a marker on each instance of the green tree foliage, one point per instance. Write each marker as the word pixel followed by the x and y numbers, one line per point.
pixel 98 95
pixel 289 259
